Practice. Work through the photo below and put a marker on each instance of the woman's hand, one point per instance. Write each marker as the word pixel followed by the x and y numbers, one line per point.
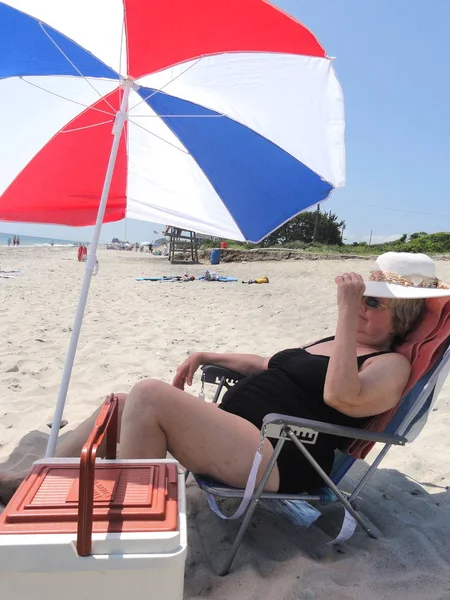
pixel 350 289
pixel 186 371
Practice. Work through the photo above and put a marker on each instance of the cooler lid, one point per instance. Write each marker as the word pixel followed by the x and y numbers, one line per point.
pixel 127 498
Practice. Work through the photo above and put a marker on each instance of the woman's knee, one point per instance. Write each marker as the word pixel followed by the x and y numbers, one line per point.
pixel 147 392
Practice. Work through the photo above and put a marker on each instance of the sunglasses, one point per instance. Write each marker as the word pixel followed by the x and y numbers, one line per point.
pixel 372 302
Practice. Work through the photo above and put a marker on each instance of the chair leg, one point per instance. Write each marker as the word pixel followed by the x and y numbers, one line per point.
pixel 251 508
pixel 332 485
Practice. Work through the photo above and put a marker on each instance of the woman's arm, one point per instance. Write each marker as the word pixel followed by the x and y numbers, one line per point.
pixel 242 363
pixel 342 381
pixel 381 382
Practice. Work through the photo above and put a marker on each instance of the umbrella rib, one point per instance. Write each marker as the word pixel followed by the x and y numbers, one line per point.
pixel 76 68
pixel 159 137
pixel 68 99
pixel 168 83
pixel 158 116
pixel 86 126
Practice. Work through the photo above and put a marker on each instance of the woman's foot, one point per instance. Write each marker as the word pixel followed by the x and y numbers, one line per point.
pixel 9 482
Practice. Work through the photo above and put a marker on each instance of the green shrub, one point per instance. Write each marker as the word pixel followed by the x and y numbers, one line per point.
pixel 433 243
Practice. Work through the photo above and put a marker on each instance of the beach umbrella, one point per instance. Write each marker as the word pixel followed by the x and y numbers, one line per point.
pixel 225 118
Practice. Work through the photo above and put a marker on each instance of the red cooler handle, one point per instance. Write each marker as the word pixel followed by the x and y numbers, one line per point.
pixel 106 424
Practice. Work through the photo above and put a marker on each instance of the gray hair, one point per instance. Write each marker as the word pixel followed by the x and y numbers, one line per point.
pixel 406 314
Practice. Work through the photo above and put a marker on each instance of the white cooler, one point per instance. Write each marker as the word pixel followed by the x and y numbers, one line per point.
pixel 78 530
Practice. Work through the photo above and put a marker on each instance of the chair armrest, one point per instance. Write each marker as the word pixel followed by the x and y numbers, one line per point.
pixel 214 374
pixel 340 430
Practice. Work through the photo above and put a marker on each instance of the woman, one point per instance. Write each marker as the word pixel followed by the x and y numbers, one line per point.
pixel 344 380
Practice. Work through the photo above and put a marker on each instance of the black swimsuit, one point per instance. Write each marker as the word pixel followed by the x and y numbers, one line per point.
pixel 293 385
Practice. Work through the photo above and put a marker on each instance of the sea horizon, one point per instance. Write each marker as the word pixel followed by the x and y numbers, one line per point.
pixel 37 241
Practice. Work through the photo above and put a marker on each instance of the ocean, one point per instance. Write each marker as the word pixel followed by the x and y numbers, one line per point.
pixel 29 240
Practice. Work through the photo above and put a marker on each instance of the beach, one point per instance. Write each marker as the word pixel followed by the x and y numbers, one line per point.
pixel 135 330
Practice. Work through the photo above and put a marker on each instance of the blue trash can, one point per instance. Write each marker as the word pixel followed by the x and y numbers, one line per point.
pixel 214 257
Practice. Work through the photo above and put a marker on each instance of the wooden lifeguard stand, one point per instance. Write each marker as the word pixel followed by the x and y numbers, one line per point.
pixel 184 242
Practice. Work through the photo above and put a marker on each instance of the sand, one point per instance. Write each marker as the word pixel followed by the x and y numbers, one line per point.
pixel 135 330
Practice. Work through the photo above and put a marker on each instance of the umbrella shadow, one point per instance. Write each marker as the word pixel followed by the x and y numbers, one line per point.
pixel 31 447
pixel 396 507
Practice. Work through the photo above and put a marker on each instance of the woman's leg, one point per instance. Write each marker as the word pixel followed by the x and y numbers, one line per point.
pixel 159 418
pixel 156 418
pixel 9 482
pixel 74 441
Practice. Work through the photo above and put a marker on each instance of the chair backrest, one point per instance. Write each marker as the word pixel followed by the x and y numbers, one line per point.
pixel 412 413
pixel 415 407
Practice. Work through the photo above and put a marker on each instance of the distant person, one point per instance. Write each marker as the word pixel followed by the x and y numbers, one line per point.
pixel 18 241
pixel 52 243
pixel 14 241
pixel 9 242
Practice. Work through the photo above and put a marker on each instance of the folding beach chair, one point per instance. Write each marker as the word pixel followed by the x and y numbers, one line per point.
pixel 403 428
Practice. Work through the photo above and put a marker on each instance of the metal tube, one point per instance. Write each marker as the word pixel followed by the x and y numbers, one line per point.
pixel 239 493
pixel 328 481
pixel 88 272
pixel 219 390
pixel 370 471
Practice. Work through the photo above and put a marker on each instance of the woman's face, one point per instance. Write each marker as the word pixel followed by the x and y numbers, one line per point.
pixel 375 325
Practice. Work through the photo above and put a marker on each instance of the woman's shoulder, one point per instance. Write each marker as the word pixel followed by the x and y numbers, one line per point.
pixel 392 370
pixel 392 360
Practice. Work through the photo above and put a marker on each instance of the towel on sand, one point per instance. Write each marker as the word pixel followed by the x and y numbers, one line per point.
pixel 213 276
pixel 423 348
pixel 185 277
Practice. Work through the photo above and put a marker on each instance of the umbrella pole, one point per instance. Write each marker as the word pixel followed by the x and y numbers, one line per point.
pixel 91 265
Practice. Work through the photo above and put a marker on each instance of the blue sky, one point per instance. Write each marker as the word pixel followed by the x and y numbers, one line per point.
pixel 392 59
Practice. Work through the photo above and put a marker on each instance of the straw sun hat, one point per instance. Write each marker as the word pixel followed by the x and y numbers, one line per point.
pixel 405 275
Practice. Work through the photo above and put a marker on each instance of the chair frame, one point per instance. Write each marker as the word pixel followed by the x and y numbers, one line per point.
pixel 302 432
